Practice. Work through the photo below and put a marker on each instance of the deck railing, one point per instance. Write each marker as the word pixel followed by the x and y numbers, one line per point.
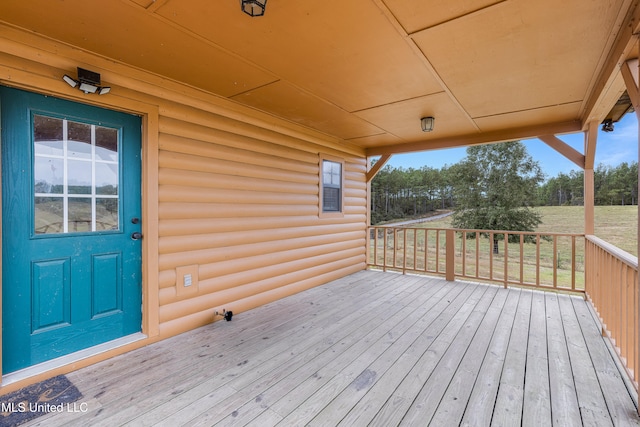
pixel 539 260
pixel 607 275
pixel 612 289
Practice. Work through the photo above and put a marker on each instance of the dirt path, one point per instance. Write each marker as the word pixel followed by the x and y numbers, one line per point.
pixel 416 221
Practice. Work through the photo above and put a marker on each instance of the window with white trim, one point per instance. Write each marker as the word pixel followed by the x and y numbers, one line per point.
pixel 331 186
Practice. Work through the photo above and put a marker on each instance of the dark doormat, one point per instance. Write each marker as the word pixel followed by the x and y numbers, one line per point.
pixel 56 394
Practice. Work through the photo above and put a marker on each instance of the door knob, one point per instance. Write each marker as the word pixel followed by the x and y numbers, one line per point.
pixel 136 235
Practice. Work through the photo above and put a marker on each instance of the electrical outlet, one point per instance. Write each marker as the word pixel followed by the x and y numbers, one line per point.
pixel 187 280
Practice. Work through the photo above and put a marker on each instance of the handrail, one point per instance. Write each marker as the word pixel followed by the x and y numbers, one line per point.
pixel 553 261
pixel 612 290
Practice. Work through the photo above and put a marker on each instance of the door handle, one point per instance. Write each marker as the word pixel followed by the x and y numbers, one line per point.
pixel 136 235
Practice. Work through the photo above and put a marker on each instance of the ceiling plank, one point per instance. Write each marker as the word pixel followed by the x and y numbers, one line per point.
pixel 564 149
pixel 484 138
pixel 421 55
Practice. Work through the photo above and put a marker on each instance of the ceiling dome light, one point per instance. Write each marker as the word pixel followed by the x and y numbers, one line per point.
pixel 253 7
pixel 427 123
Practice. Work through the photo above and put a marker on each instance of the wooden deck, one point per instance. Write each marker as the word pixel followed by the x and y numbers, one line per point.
pixel 373 348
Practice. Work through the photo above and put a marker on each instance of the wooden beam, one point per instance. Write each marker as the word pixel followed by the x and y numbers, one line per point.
pixel 630 75
pixel 377 166
pixel 590 139
pixel 620 50
pixel 564 149
pixel 589 201
pixel 478 138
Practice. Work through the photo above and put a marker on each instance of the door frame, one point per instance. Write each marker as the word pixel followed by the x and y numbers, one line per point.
pixel 149 114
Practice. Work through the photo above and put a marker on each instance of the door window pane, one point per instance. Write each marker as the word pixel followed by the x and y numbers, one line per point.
pixel 49 215
pixel 79 177
pixel 79 215
pixel 106 178
pixel 47 135
pixel 79 163
pixel 106 144
pixel 48 175
pixel 106 214
pixel 79 140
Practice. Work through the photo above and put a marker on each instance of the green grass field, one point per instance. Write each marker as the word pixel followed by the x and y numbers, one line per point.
pixel 617 225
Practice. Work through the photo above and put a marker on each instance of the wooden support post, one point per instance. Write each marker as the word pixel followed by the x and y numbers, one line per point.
pixel 451 255
pixel 590 140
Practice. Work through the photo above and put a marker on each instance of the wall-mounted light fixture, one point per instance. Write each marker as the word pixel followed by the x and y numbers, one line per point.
pixel 607 125
pixel 253 7
pixel 88 82
pixel 427 124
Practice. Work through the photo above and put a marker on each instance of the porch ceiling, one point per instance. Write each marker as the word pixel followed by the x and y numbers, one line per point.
pixel 366 71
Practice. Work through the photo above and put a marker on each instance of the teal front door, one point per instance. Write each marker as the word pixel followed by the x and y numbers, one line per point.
pixel 71 248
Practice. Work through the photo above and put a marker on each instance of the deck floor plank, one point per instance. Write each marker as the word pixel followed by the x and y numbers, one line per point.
pixel 593 406
pixel 281 389
pixel 371 349
pixel 536 409
pixel 302 403
pixel 510 399
pixel 421 371
pixel 621 407
pixel 564 399
pixel 479 410
pixel 455 400
pixel 433 391
pixel 254 398
pixel 366 409
pixel 344 403
pixel 204 394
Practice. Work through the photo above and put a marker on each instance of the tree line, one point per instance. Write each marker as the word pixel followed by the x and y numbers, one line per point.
pixel 401 193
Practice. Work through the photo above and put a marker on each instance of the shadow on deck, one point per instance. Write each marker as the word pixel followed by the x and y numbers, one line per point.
pixel 372 348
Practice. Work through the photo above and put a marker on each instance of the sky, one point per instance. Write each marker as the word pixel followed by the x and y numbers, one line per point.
pixel 612 148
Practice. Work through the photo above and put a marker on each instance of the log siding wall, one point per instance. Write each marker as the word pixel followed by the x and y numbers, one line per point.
pixel 227 190
pixel 246 212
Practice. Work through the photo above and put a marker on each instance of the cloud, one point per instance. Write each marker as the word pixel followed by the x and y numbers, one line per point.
pixel 618 146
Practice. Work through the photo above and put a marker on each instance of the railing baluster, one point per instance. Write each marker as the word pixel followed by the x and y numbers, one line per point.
pixel 426 250
pixel 437 251
pixel 537 260
pixel 573 263
pixel 415 249
pixel 555 262
pixel 521 258
pixel 385 241
pixel 491 244
pixel 464 253
pixel 404 251
pixel 375 246
pixel 477 254
pixel 506 260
